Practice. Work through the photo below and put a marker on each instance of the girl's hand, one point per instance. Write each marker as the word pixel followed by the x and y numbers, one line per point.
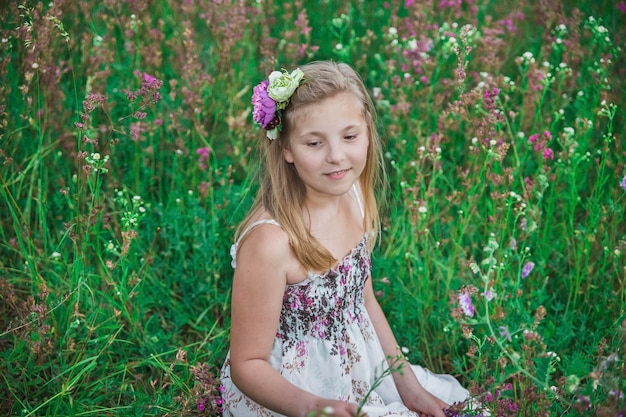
pixel 333 408
pixel 427 405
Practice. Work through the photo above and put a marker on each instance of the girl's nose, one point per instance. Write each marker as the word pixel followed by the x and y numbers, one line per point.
pixel 335 153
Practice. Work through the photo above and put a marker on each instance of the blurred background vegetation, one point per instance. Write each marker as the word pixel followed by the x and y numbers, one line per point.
pixel 127 158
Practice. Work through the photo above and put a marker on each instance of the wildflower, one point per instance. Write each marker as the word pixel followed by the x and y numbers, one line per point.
pixel 527 269
pixel 504 332
pixel 489 294
pixel 465 301
pixel 548 154
pixel 623 183
pixel 303 23
pixel 135 130
pixel 548 135
pixel 422 209
pixel 204 155
pixel 328 410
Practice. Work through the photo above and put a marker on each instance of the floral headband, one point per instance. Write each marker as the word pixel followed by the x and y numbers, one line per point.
pixel 271 96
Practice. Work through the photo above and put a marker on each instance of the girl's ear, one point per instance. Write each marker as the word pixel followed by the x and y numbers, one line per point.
pixel 287 155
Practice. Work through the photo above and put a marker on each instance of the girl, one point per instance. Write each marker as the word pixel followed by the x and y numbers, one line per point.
pixel 307 334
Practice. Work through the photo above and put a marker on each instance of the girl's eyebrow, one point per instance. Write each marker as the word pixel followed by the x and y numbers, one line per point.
pixel 321 134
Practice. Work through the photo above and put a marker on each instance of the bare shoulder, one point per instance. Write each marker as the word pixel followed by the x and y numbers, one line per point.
pixel 265 246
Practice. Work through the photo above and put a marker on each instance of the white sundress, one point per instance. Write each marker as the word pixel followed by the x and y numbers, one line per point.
pixel 326 344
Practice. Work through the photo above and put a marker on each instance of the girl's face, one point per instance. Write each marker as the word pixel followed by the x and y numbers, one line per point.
pixel 328 145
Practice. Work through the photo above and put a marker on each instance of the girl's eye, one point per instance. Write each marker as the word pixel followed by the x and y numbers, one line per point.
pixel 312 144
pixel 350 137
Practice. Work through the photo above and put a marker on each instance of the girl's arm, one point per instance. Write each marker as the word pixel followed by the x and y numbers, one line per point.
pixel 414 396
pixel 258 287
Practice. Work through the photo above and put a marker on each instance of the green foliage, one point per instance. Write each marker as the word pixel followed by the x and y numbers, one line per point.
pixel 126 162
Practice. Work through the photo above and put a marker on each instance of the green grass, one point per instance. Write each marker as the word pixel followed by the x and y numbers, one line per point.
pixel 114 240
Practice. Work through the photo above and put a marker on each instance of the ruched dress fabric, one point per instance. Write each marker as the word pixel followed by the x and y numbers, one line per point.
pixel 325 343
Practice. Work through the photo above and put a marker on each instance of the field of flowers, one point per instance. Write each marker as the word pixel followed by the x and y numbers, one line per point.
pixel 127 158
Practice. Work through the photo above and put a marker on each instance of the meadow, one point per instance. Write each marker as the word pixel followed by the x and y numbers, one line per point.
pixel 128 157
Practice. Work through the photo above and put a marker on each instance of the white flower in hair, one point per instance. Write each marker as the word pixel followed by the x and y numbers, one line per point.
pixel 282 85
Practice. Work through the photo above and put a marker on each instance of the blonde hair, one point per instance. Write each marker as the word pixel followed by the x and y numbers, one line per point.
pixel 282 193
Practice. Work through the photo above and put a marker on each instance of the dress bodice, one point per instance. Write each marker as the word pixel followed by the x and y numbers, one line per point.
pixel 324 305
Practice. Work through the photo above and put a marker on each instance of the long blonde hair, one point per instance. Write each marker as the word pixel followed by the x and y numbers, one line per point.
pixel 282 193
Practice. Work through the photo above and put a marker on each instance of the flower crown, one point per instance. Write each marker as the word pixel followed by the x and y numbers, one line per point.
pixel 271 96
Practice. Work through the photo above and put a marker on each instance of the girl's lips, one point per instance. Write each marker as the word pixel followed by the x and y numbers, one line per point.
pixel 336 175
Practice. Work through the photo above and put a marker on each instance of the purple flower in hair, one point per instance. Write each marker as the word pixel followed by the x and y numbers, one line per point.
pixel 264 108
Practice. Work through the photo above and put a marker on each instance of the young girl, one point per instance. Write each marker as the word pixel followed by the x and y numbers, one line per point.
pixel 307 334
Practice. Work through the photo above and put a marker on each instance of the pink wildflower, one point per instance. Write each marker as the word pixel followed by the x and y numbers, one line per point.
pixel 204 155
pixel 148 78
pixel 548 135
pixel 548 154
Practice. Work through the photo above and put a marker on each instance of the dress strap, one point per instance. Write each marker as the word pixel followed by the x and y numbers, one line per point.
pixel 235 246
pixel 357 194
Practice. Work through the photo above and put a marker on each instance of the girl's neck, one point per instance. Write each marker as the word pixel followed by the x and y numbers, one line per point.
pixel 316 206
pixel 329 216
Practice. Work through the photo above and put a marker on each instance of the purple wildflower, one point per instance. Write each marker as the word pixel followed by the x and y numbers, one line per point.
pixel 489 294
pixel 623 183
pixel 522 224
pixel 504 332
pixel 264 108
pixel 465 301
pixel 527 269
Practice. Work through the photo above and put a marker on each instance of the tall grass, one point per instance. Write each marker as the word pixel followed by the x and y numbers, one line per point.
pixel 127 159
